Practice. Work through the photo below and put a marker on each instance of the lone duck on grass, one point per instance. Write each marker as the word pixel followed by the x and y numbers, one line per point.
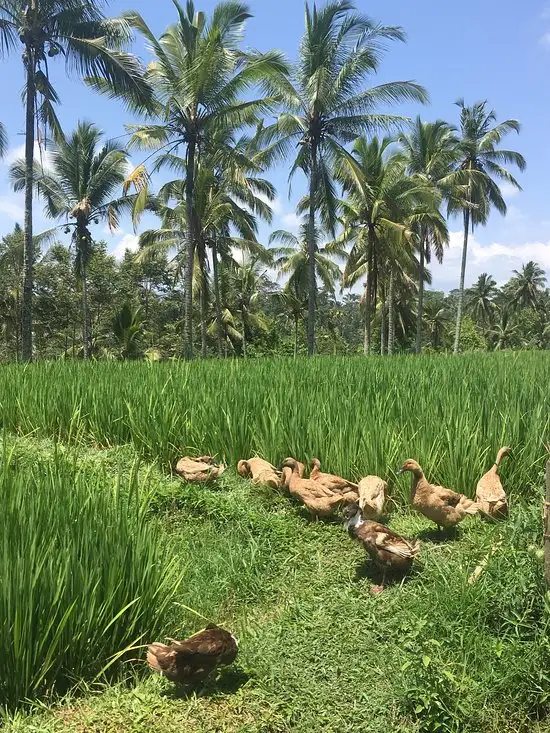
pixel 490 494
pixel 330 480
pixel 444 507
pixel 192 660
pixel 199 470
pixel 389 550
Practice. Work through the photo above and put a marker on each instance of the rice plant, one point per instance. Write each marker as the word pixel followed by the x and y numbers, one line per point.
pixel 357 415
pixel 83 577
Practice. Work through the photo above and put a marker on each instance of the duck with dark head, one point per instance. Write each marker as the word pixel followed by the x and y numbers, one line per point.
pixel 192 660
pixel 390 551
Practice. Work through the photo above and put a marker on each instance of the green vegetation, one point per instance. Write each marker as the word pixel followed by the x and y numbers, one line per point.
pixel 318 652
pixel 84 575
pixel 359 416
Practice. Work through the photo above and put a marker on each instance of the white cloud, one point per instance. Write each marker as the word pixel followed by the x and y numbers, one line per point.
pixel 508 190
pixel 499 260
pixel 292 222
pixel 18 153
pixel 11 209
pixel 128 241
pixel 276 205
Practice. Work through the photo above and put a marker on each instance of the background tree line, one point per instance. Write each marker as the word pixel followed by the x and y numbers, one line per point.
pixel 216 118
pixel 136 310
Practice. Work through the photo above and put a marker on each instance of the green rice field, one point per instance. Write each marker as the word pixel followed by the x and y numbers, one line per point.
pixel 102 549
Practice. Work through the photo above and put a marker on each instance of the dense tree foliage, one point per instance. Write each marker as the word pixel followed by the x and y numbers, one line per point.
pixel 379 190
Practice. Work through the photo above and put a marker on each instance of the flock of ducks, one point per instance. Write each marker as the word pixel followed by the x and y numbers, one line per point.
pixel 362 505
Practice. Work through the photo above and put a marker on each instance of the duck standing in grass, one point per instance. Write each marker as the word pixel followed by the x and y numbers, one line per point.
pixel 386 548
pixel 192 660
pixel 372 496
pixel 490 494
pixel 330 480
pixel 444 507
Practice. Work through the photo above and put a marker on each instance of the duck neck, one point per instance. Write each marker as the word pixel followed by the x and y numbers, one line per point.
pixel 417 478
pixel 500 455
pixel 355 522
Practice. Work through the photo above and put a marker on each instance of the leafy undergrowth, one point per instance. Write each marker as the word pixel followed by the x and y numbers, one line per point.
pixel 318 652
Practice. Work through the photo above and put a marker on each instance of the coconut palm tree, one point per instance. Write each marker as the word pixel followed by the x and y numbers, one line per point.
pixel 295 306
pixel 526 287
pixel 431 151
pixel 480 298
pixel 474 183
pixel 80 186
pixel 292 261
pixel 326 106
pixel 227 203
pixel 246 281
pixel 3 140
pixel 200 78
pixel 382 206
pixel 505 333
pixel 89 43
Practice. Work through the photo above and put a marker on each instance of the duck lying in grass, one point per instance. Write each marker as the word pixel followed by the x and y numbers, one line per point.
pixel 386 548
pixel 329 480
pixel 444 507
pixel 490 494
pixel 192 660
pixel 260 471
pixel 199 470
pixel 372 496
pixel 318 500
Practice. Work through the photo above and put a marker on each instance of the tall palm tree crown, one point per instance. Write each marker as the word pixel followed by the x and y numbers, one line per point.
pixel 81 185
pixel 326 106
pixel 200 78
pixel 431 151
pixel 474 184
pixel 91 45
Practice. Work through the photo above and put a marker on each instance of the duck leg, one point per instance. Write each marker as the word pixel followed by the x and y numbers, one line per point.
pixel 379 588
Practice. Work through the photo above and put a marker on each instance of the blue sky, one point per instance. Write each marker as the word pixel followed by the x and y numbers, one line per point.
pixel 477 49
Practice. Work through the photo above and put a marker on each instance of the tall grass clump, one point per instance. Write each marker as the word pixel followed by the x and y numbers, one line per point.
pixel 358 415
pixel 83 576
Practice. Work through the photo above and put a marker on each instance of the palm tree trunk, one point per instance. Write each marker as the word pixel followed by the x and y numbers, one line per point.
pixel 370 289
pixel 17 324
pixel 312 290
pixel 420 295
pixel 203 322
pixel 461 286
pixel 28 248
pixel 189 249
pixel 296 326
pixel 244 332
pixel 365 322
pixel 382 321
pixel 217 299
pixel 391 317
pixel 85 313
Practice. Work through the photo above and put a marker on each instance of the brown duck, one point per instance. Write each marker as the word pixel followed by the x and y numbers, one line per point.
pixel 199 470
pixel 386 548
pixel 329 480
pixel 192 660
pixel 372 496
pixel 260 471
pixel 490 495
pixel 318 500
pixel 444 507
